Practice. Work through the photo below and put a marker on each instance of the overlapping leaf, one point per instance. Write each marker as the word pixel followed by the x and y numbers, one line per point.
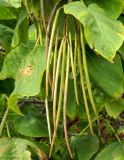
pixel 26 66
pixel 113 8
pixel 6 13
pixel 12 3
pixel 114 151
pixel 16 149
pixel 103 35
pixel 32 124
pixel 108 76
pixel 5 41
pixel 85 146
pixel 21 30
pixel 115 107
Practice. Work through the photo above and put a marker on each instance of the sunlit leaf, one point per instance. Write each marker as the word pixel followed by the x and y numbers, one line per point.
pixel 113 8
pixel 27 69
pixel 103 35
pixel 6 13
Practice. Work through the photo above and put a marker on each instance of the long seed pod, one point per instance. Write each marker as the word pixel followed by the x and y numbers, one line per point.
pixel 48 118
pixel 56 82
pixel 50 49
pixel 73 70
pixel 60 96
pixel 87 75
pixel 75 53
pixel 83 89
pixel 65 102
pixel 42 14
pixel 54 62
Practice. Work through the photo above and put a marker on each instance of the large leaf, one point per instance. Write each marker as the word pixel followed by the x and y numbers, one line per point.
pixel 108 76
pixel 113 8
pixel 26 66
pixel 11 3
pixel 6 13
pixel 85 146
pixel 16 149
pixel 114 151
pixel 5 41
pixel 21 29
pixel 103 35
pixel 32 124
pixel 115 107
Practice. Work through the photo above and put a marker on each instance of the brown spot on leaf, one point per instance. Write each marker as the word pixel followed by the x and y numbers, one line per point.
pixel 27 71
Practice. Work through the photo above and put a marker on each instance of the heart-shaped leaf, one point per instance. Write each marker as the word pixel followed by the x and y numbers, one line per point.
pixel 103 35
pixel 85 146
pixel 115 107
pixel 32 124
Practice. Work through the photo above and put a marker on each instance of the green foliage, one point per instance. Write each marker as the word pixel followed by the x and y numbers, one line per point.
pixel 97 28
pixel 113 151
pixel 85 146
pixel 32 124
pixel 61 80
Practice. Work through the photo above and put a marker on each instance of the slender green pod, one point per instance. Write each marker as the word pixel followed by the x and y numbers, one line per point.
pixel 56 81
pixel 55 62
pixel 60 96
pixel 87 75
pixel 50 49
pixel 48 118
pixel 83 89
pixel 65 102
pixel 75 53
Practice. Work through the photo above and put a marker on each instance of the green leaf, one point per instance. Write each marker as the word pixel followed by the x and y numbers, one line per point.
pixel 85 146
pixel 5 41
pixel 6 13
pixel 21 29
pixel 27 69
pixel 13 103
pixel 11 3
pixel 32 124
pixel 103 35
pixel 114 151
pixel 16 149
pixel 114 11
pixel 115 107
pixel 107 76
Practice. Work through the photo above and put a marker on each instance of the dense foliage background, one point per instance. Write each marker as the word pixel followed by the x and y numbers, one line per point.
pixel 61 80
